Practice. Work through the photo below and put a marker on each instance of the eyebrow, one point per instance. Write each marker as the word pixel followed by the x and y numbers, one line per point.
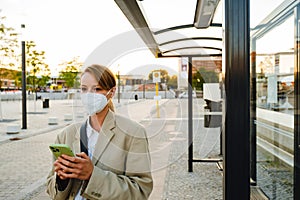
pixel 92 85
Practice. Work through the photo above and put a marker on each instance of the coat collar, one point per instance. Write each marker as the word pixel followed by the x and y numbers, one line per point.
pixel 76 142
pixel 105 136
pixel 109 122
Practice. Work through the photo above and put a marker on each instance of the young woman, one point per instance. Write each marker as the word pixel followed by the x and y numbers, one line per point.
pixel 112 157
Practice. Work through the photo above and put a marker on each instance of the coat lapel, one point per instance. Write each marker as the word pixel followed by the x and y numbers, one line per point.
pixel 76 142
pixel 105 136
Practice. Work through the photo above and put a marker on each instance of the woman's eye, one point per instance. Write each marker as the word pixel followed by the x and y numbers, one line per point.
pixel 83 89
pixel 98 89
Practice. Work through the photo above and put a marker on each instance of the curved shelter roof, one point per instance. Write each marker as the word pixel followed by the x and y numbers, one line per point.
pixel 177 28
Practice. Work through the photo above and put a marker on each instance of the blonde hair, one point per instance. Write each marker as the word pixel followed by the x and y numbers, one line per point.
pixel 105 78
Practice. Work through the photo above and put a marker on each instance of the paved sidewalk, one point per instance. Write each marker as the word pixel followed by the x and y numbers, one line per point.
pixel 25 163
pixel 26 159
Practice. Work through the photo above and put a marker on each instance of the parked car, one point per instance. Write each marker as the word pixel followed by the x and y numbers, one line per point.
pixel 185 94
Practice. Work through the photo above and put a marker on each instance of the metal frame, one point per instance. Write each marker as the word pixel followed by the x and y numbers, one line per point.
pixel 182 27
pixel 135 16
pixel 236 149
pixel 190 115
pixel 188 55
pixel 236 159
pixel 24 99
pixel 278 16
pixel 297 105
pixel 253 153
pixel 192 38
pixel 193 47
pixel 275 18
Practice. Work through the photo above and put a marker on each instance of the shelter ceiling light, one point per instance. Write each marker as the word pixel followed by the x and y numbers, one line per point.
pixel 205 11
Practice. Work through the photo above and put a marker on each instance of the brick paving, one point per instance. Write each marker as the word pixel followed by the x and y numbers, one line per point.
pixel 25 163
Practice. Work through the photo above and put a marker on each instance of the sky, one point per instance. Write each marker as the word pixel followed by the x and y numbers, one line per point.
pixel 68 28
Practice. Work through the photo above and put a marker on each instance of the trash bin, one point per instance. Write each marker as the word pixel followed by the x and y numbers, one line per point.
pixel 212 120
pixel 46 103
pixel 136 97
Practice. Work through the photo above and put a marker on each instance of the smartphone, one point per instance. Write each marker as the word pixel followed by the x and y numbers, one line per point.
pixel 59 149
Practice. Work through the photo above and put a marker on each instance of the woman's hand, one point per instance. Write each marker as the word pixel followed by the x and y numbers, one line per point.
pixel 79 167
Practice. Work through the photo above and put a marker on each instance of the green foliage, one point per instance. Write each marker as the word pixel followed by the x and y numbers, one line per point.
pixel 164 75
pixel 10 75
pixel 43 80
pixel 70 71
pixel 35 63
pixel 10 57
pixel 8 48
pixel 173 82
pixel 18 79
pixel 8 45
pixel 204 76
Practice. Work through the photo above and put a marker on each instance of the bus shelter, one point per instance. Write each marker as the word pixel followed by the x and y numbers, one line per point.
pixel 221 28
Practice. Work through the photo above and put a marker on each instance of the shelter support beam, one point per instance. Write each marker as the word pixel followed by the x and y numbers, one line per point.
pixel 190 114
pixel 236 154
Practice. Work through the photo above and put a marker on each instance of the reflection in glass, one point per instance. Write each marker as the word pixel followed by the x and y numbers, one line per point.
pixel 275 111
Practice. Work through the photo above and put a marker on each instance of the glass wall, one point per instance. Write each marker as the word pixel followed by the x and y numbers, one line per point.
pixel 273 58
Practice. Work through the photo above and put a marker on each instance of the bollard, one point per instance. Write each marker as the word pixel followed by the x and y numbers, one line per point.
pixel 13 128
pixel 68 117
pixel 52 121
pixel 79 115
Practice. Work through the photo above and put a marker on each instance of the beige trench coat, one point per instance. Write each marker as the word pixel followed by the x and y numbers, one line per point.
pixel 121 158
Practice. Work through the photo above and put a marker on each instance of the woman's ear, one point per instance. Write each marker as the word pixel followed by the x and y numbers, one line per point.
pixel 113 91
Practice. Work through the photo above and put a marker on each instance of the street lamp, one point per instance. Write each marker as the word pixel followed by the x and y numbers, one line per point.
pixel 24 111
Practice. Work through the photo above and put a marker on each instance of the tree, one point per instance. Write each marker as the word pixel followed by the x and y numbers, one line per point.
pixel 164 78
pixel 70 71
pixel 204 76
pixel 8 48
pixel 172 83
pixel 164 75
pixel 197 81
pixel 35 62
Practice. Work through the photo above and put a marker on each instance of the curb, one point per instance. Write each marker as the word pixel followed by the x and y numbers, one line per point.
pixel 20 137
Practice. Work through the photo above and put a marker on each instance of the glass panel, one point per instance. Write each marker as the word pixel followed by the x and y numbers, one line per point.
pixel 260 9
pixel 189 33
pixel 275 110
pixel 180 13
pixel 166 14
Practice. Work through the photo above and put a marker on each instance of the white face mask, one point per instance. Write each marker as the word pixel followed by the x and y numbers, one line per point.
pixel 93 102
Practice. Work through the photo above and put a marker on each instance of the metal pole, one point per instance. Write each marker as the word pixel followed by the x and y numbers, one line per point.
pixel 297 104
pixel 236 155
pixel 253 153
pixel 190 117
pixel 119 85
pixel 1 115
pixel 144 96
pixel 157 103
pixel 24 111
